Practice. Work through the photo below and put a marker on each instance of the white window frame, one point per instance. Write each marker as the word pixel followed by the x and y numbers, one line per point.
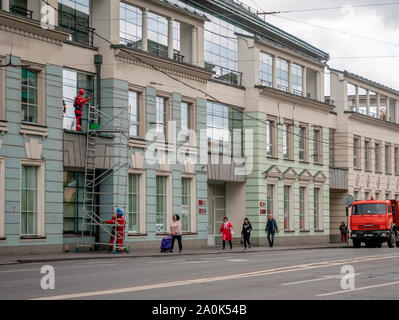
pixel 305 226
pixel 290 224
pixel 320 226
pixel 41 198
pixel 168 199
pixel 193 201
pixel 2 197
pixel 142 201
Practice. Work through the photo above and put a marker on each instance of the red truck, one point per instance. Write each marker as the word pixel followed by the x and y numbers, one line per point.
pixel 374 222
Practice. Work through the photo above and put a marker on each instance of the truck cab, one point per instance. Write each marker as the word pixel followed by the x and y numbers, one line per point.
pixel 374 222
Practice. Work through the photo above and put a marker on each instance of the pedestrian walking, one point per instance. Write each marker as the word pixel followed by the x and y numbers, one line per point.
pixel 175 232
pixel 271 229
pixel 344 231
pixel 246 233
pixel 225 230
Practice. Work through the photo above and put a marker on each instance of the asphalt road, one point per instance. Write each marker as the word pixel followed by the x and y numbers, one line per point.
pixel 297 274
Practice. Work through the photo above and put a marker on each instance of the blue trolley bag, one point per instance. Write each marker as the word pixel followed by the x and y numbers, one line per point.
pixel 166 244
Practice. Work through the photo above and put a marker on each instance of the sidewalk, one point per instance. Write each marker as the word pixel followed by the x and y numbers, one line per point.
pixel 145 253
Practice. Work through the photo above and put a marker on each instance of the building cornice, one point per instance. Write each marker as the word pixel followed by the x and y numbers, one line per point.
pixel 293 98
pixel 147 60
pixel 31 29
pixel 371 120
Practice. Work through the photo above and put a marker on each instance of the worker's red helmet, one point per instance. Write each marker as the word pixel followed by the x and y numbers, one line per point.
pixel 81 91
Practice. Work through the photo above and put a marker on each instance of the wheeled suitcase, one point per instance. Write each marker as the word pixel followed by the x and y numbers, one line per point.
pixel 166 244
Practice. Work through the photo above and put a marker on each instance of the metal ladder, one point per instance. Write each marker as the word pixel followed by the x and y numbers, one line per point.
pixel 115 129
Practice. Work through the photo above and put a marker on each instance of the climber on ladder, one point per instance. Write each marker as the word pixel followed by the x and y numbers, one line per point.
pixel 118 230
pixel 78 105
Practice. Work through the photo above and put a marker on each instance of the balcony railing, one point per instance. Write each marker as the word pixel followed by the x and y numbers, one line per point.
pixel 153 48
pixel 225 75
pixel 21 11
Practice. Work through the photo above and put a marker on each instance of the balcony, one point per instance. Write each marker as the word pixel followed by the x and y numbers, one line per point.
pixel 21 11
pixel 225 75
pixel 153 48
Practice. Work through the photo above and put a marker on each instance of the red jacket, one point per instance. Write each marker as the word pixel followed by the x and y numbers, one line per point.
pixel 226 231
pixel 120 223
pixel 80 101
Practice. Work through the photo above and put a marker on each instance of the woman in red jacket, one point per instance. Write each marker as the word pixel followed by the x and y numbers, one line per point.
pixel 225 229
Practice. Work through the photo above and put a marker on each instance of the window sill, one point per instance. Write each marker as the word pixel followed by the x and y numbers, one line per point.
pixel 378 172
pixel 365 170
pixel 3 127
pixel 319 231
pixel 33 129
pixel 304 231
pixel 190 234
pixel 357 169
pixel 290 160
pixel 134 235
pixel 289 231
pixel 304 162
pixel 32 238
pixel 272 158
pixel 318 164
pixel 137 142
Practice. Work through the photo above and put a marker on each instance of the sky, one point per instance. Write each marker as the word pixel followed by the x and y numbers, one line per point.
pixel 374 32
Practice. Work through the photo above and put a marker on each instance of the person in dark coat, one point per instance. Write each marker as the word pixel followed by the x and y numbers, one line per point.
pixel 246 233
pixel 344 231
pixel 271 229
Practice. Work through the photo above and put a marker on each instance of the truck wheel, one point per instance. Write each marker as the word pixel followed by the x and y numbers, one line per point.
pixel 392 240
pixel 356 243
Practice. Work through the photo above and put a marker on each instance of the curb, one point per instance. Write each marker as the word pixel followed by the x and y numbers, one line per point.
pixel 26 261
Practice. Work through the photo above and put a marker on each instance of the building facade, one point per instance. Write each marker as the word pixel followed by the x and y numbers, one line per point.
pixel 213 112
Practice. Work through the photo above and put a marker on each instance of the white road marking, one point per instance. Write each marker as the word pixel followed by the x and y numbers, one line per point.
pixel 358 289
pixel 237 260
pixel 337 276
pixel 22 270
pixel 165 261
pixel 296 268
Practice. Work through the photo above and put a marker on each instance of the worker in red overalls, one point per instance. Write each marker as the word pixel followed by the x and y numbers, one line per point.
pixel 119 223
pixel 78 105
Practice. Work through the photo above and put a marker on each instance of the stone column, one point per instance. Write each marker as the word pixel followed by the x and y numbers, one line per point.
pixel 304 81
pixel 170 38
pixel 290 76
pixel 194 47
pixel 357 103
pixel 397 111
pixel 144 28
pixel 274 70
pixel 368 102
pixel 388 112
pixel 318 87
pixel 378 105
pixel 5 5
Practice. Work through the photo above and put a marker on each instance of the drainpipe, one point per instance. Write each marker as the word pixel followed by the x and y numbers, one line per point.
pixel 98 61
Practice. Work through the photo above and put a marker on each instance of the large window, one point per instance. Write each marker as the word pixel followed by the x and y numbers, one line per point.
pixel 221 123
pixel 134 203
pixel 302 144
pixel 161 203
pixel 185 116
pixel 134 129
pixel 356 152
pixel 266 69
pixel 377 157
pixel 74 202
pixel 317 146
pixel 367 155
pixel 387 159
pixel 73 15
pixel 316 208
pixel 271 131
pixel 302 209
pixel 287 207
pixel 296 79
pixel 396 160
pixel 270 199
pixel 287 141
pixel 186 204
pixel 29 96
pixel 29 197
pixel 282 74
pixel 160 115
pixel 72 81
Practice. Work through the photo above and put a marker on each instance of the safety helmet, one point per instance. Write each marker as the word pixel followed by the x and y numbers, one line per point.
pixel 119 211
pixel 81 91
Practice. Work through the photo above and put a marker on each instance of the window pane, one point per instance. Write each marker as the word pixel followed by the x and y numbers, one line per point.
pixel 186 204
pixel 160 203
pixel 29 200
pixel 134 203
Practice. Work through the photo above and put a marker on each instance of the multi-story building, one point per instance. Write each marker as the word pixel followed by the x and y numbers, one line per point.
pixel 365 159
pixel 246 99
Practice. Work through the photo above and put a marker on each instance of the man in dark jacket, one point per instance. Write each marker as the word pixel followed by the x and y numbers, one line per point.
pixel 271 228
